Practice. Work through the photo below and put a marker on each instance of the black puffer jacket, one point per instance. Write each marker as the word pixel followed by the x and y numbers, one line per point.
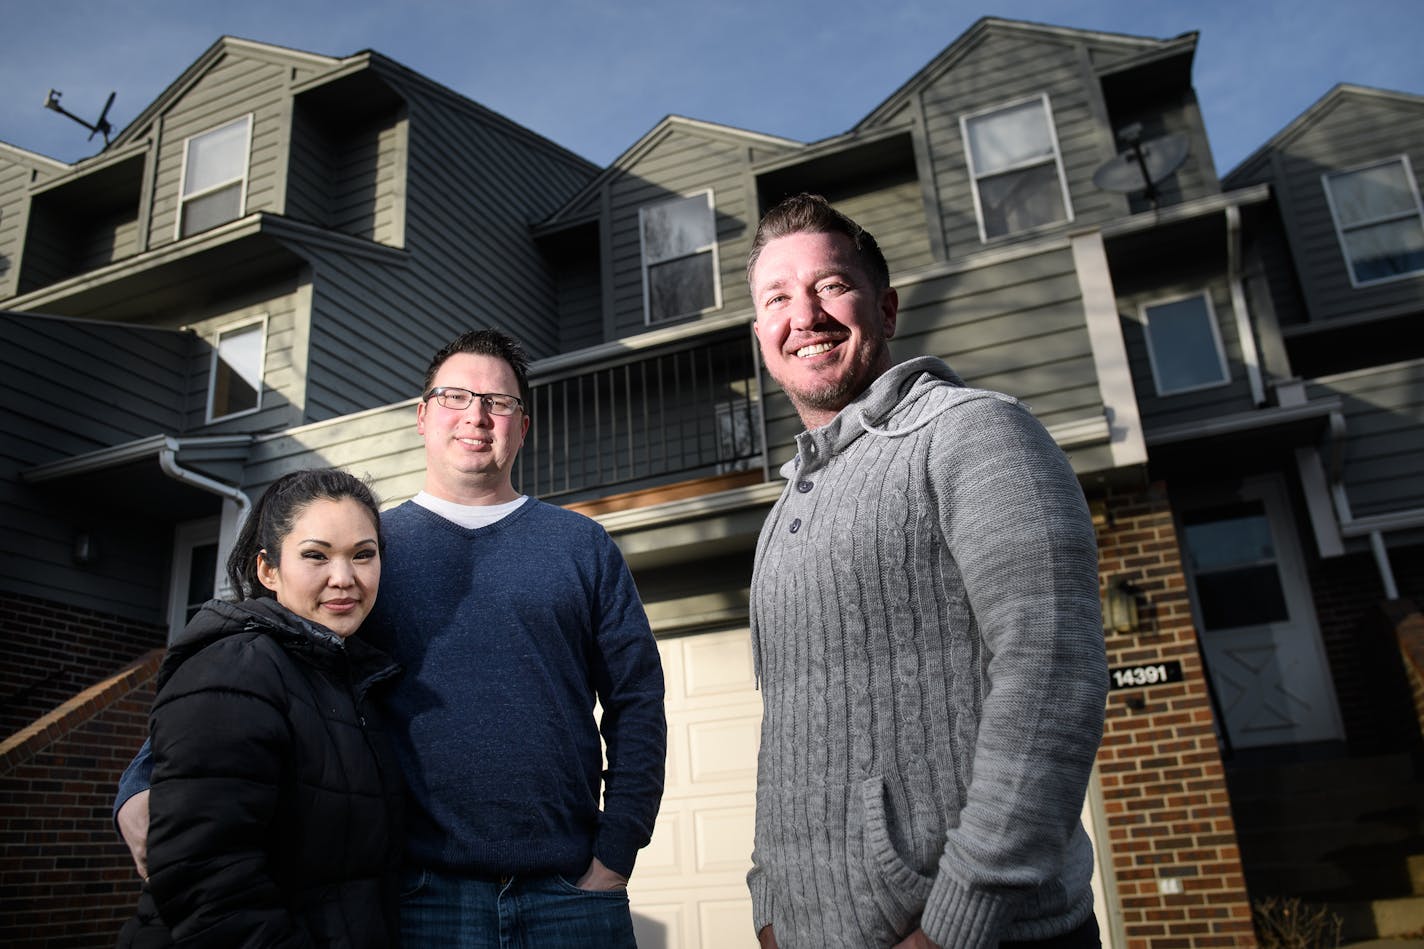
pixel 275 812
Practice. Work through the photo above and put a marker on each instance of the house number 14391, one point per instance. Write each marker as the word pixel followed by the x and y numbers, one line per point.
pixel 1133 677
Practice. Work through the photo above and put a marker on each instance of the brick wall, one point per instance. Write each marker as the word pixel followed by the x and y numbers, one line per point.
pixel 66 881
pixel 49 652
pixel 1164 790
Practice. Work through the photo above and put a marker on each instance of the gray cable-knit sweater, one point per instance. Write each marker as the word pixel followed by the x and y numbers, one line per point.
pixel 926 628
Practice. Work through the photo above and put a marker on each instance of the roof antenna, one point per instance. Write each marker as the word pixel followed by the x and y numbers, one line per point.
pixel 102 126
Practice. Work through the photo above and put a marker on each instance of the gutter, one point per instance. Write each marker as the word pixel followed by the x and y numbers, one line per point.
pixel 168 462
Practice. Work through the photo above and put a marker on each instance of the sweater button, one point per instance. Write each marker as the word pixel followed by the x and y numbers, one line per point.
pixel 795 525
pixel 804 486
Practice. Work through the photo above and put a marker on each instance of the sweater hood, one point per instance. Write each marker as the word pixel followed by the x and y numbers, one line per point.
pixel 218 619
pixel 888 408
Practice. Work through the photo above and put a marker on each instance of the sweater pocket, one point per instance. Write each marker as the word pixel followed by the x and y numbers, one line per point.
pixel 898 889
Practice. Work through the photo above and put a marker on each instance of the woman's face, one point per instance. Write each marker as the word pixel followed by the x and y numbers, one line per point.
pixel 329 566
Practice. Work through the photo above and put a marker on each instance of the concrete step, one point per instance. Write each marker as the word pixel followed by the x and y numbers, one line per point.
pixel 1397 919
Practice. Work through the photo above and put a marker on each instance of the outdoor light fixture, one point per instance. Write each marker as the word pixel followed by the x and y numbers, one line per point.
pixel 85 550
pixel 1120 610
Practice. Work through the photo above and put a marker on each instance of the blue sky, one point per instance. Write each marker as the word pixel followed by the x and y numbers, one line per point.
pixel 595 75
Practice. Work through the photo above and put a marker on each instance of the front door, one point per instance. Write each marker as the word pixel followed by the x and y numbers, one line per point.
pixel 1253 608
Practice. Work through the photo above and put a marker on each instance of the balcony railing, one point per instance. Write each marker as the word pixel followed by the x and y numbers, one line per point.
pixel 680 412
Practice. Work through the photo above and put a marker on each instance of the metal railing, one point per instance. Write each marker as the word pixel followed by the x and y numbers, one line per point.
pixel 688 410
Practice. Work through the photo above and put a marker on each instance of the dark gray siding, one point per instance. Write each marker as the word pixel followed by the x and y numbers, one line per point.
pixel 1159 411
pixel 1384 443
pixel 1352 128
pixel 68 387
pixel 475 183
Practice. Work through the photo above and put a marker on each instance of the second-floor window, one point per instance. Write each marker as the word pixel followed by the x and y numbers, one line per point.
pixel 214 177
pixel 235 384
pixel 1184 344
pixel 1016 167
pixel 679 241
pixel 1378 220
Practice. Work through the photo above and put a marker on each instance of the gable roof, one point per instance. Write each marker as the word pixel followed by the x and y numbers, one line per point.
pixel 24 156
pixel 225 46
pixel 635 152
pixel 988 26
pixel 1318 110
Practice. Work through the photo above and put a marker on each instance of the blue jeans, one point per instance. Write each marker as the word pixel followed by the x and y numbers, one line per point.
pixel 450 911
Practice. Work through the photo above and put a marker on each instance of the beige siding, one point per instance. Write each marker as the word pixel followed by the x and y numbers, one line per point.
pixel 284 364
pixel 1384 435
pixel 233 88
pixel 683 162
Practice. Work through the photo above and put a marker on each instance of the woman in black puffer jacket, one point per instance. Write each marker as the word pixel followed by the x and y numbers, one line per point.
pixel 275 805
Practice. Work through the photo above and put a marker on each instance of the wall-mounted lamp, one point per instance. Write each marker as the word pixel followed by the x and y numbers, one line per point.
pixel 85 551
pixel 1120 612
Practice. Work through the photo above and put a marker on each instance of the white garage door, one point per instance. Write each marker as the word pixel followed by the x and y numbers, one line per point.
pixel 689 889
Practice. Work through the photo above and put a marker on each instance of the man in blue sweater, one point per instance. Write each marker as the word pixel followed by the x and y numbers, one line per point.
pixel 511 617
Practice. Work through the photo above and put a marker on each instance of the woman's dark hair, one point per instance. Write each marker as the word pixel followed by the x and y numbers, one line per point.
pixel 277 510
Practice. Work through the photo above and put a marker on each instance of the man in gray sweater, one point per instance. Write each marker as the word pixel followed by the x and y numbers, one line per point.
pixel 926 631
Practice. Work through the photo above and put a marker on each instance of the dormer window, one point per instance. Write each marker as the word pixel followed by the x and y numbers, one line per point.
pixel 1378 220
pixel 214 177
pixel 235 385
pixel 679 242
pixel 1016 167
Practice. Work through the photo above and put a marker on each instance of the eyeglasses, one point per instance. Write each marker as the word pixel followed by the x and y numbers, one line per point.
pixel 453 397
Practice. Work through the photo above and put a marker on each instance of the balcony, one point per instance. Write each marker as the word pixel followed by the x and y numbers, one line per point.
pixel 686 410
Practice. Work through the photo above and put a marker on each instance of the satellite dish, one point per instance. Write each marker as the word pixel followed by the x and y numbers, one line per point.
pixel 1144 164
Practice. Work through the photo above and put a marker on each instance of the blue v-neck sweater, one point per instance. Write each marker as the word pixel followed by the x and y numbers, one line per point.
pixel 508 633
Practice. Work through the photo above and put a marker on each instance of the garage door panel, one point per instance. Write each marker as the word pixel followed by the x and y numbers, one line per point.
pixel 723 750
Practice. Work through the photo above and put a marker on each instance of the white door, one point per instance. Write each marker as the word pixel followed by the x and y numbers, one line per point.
pixel 196 571
pixel 689 887
pixel 1253 608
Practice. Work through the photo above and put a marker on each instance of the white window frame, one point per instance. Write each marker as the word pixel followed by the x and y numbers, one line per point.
pixel 1145 321
pixel 645 262
pixel 1340 228
pixel 974 175
pixel 241 181
pixel 218 334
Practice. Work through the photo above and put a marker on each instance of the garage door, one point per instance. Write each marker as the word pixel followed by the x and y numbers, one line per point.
pixel 689 889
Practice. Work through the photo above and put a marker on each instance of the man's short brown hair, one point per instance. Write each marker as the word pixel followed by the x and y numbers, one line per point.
pixel 812 214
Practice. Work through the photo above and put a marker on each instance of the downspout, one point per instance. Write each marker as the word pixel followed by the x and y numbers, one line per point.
pixel 168 463
pixel 1244 332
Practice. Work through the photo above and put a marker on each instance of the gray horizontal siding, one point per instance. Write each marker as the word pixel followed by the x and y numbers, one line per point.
pixel 1008 67
pixel 1160 411
pixel 1355 130
pixel 1012 326
pixel 683 162
pixel 381 445
pixel 284 365
pixel 1384 444
pixel 233 88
